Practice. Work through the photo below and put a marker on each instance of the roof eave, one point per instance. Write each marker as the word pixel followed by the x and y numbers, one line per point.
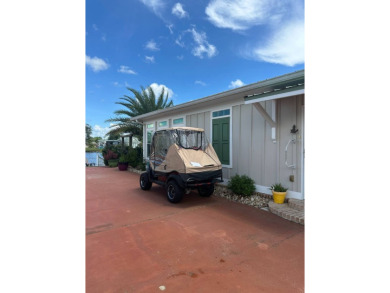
pixel 253 86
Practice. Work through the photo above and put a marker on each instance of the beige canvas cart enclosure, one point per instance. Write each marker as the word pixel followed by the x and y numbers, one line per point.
pixel 181 159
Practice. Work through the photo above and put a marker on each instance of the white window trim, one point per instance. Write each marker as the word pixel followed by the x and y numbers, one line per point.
pixel 230 132
pixel 180 124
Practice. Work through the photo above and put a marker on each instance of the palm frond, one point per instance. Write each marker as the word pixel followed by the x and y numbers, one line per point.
pixel 141 102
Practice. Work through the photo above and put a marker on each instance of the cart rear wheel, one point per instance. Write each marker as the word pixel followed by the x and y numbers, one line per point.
pixel 206 191
pixel 174 192
pixel 144 181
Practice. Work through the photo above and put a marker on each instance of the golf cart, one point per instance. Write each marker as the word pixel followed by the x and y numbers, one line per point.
pixel 182 159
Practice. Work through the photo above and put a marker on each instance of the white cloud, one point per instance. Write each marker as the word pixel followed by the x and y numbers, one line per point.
pixel 243 14
pixel 155 5
pixel 157 88
pixel 202 83
pixel 126 69
pixel 286 47
pixel 94 26
pixel 179 11
pixel 149 59
pixel 170 27
pixel 96 63
pixel 202 45
pixel 236 83
pixel 181 57
pixel 281 21
pixel 152 46
pixel 98 131
pixel 179 41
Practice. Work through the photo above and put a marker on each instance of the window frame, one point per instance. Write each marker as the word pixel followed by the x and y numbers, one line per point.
pixel 162 127
pixel 152 130
pixel 178 124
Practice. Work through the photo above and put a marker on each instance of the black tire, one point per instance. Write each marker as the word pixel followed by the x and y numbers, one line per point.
pixel 144 181
pixel 206 191
pixel 174 192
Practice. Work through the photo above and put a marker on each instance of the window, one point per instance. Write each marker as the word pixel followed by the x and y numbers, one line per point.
pixel 221 135
pixel 149 135
pixel 190 139
pixel 221 113
pixel 178 121
pixel 163 124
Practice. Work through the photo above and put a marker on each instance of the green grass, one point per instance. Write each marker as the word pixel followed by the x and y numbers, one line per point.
pixel 113 163
pixel 93 150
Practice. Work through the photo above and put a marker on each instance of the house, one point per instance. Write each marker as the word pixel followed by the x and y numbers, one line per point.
pixel 128 139
pixel 112 142
pixel 256 130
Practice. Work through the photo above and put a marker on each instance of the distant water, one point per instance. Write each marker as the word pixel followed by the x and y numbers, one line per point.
pixel 95 158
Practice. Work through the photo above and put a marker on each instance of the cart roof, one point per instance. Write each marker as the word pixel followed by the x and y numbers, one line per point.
pixel 185 128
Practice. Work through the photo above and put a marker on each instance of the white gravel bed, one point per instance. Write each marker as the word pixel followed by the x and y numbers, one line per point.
pixel 259 200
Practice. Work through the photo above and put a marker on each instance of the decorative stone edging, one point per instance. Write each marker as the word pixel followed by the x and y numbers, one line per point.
pixel 258 199
pixel 134 170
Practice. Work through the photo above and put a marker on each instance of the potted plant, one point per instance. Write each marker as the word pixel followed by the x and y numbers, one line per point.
pixel 279 192
pixel 123 163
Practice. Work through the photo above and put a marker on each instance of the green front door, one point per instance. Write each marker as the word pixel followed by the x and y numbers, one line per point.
pixel 221 139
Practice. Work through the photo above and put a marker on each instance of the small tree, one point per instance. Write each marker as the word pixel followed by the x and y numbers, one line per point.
pixel 88 133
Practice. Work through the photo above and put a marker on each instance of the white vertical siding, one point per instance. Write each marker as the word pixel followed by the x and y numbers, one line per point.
pixel 290 113
pixel 245 140
pixel 207 122
pixel 258 156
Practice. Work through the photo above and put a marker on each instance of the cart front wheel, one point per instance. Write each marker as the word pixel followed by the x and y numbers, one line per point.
pixel 144 181
pixel 174 192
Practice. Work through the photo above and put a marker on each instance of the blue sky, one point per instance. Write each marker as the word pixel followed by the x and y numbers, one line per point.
pixel 192 48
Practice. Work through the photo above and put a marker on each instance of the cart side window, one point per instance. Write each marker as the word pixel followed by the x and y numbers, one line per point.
pixel 190 139
pixel 156 150
pixel 160 145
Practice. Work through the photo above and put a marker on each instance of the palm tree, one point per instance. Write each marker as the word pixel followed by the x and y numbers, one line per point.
pixel 144 101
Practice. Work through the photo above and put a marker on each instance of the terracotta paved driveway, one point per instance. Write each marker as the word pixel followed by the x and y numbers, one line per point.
pixel 136 241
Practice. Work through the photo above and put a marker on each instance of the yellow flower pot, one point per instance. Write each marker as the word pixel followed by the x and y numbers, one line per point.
pixel 279 196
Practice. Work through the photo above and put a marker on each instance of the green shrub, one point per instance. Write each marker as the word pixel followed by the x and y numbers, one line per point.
pixel 135 157
pixel 142 166
pixel 124 158
pixel 242 185
pixel 113 163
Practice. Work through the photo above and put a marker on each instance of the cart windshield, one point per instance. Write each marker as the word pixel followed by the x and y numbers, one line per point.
pixel 191 139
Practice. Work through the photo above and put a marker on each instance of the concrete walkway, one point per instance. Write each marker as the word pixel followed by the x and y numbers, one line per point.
pixel 136 241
